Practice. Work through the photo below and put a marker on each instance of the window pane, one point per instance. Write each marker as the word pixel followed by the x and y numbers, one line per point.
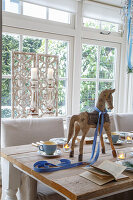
pixel 62 97
pixel 107 62
pixel 107 26
pixel 60 48
pixel 11 6
pixel 10 43
pixel 59 16
pixel 87 96
pixel 91 23
pixel 89 61
pixel 34 10
pixel 6 112
pixel 98 24
pixel 6 92
pixel 33 45
pixel 105 85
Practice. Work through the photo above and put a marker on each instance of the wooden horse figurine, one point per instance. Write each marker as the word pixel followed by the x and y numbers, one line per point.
pixel 84 121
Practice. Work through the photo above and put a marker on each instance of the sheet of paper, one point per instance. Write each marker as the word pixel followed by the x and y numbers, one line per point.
pixel 99 173
pixel 96 179
pixel 112 168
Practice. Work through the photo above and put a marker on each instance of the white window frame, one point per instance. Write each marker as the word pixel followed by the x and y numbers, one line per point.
pixel 116 70
pixel 75 33
pixel 54 37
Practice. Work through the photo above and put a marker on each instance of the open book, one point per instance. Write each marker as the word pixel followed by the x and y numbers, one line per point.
pixel 104 173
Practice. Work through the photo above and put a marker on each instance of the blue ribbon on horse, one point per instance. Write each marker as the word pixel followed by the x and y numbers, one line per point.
pixel 101 114
pixel 44 166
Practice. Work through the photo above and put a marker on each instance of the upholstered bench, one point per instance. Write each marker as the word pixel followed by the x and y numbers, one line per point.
pixel 25 131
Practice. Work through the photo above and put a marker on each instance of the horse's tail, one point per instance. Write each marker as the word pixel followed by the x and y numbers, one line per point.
pixel 73 119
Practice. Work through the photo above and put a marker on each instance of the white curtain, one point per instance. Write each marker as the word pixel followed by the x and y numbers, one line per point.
pixel 128 105
pixel 90 9
pixel 101 12
pixel 125 101
pixel 64 5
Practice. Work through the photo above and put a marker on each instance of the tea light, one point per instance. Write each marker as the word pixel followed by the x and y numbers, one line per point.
pixel 121 155
pixel 129 138
pixel 66 147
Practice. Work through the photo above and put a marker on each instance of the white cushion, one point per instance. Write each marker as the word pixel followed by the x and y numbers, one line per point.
pixel 124 122
pixel 26 131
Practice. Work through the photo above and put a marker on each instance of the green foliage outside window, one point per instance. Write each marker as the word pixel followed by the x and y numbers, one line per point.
pixel 33 45
pixel 9 43
pixel 87 96
pixel 103 76
pixel 89 61
pixel 60 48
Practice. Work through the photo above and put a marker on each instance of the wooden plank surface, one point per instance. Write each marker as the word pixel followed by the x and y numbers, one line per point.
pixel 67 182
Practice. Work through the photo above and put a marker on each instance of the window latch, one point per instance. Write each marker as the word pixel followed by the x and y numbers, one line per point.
pixel 105 33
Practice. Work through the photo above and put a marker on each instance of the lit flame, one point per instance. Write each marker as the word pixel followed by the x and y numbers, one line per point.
pixel 121 156
pixel 66 146
pixel 129 138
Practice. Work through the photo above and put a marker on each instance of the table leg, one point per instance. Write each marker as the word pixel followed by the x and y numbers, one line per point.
pixel 31 184
pixel 10 180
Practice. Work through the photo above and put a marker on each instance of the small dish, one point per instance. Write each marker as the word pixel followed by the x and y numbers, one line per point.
pixel 56 153
pixel 117 143
pixel 61 141
pixel 127 163
pixel 123 134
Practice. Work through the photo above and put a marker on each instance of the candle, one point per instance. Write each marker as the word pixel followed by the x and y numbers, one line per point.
pixel 50 73
pixel 121 155
pixel 129 138
pixel 34 75
pixel 66 147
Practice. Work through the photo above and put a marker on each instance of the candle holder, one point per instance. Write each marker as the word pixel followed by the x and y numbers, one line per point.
pixel 66 147
pixel 128 138
pixel 34 85
pixel 121 155
pixel 34 98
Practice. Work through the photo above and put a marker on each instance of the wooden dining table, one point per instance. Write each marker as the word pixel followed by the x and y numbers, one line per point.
pixel 66 182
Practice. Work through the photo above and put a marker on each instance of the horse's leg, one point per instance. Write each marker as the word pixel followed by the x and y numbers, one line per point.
pixel 77 129
pixel 102 141
pixel 108 131
pixel 81 145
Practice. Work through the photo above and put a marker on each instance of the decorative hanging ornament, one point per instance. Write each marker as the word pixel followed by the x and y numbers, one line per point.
pixel 128 15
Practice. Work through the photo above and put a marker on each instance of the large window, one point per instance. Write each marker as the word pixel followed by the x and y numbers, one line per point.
pixel 36 45
pixel 97 73
pixel 88 61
